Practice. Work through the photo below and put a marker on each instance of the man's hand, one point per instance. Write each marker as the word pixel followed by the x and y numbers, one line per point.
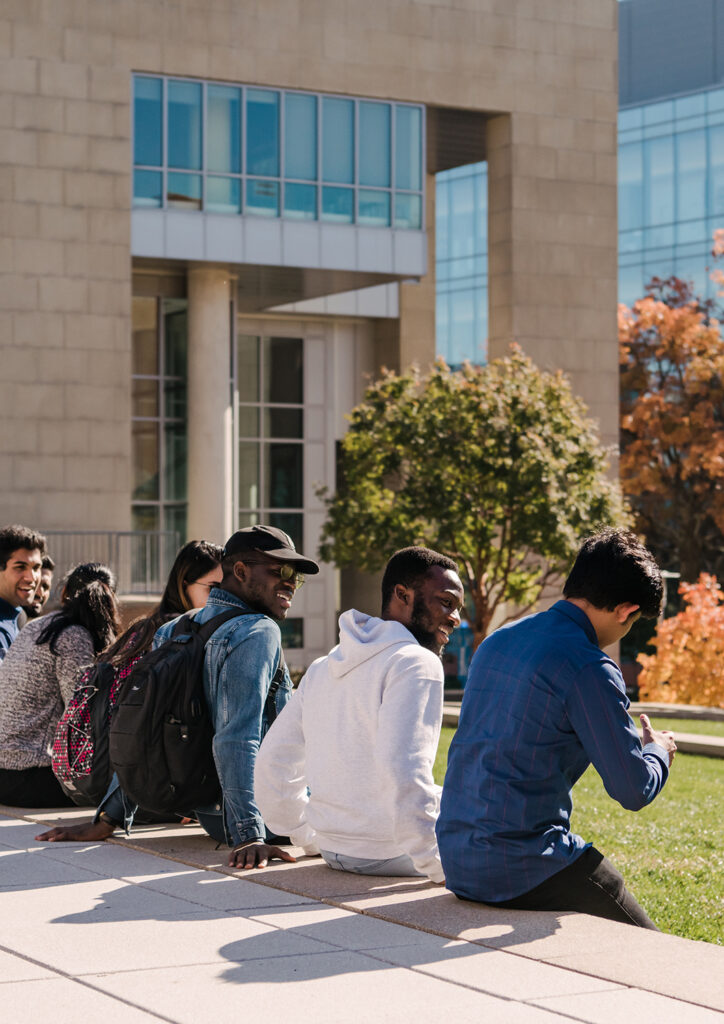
pixel 87 831
pixel 664 738
pixel 256 855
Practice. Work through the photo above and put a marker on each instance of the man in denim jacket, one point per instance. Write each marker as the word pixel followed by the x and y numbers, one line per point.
pixel 262 569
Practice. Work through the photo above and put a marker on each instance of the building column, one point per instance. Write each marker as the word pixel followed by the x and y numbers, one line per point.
pixel 210 476
pixel 552 259
pixel 417 302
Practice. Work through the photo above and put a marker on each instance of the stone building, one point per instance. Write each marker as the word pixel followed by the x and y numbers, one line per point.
pixel 218 221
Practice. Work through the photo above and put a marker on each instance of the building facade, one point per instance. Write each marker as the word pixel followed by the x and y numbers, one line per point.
pixel 218 221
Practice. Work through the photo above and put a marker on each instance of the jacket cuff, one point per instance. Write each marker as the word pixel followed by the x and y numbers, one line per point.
pixel 245 830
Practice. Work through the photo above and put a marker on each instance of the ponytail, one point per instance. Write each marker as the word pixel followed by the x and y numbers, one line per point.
pixel 89 600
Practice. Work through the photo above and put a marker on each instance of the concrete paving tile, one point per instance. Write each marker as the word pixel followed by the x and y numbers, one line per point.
pixel 332 988
pixel 627 1004
pixel 490 970
pixel 59 1000
pixel 30 870
pixel 220 892
pixel 314 879
pixel 342 928
pixel 15 968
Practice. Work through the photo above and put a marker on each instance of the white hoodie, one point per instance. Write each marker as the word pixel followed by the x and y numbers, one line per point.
pixel 361 732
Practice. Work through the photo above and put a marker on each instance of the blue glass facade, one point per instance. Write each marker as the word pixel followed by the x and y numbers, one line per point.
pixel 671 190
pixel 234 149
pixel 461 263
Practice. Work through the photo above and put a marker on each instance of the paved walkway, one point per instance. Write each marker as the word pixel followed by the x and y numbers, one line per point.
pixel 157 928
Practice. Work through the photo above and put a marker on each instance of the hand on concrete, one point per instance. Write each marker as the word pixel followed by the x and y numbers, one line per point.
pixel 87 831
pixel 256 855
pixel 664 738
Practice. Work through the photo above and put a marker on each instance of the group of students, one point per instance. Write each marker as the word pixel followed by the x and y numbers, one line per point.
pixel 343 765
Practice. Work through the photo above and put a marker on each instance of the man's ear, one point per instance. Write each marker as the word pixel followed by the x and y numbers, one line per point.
pixel 240 571
pixel 625 611
pixel 402 593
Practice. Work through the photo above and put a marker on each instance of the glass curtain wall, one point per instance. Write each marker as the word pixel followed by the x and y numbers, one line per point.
pixel 671 191
pixel 233 149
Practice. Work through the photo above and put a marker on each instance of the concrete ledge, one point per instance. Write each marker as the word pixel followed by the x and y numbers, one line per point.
pixel 604 955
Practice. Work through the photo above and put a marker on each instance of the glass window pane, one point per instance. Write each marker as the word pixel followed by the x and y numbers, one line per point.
pixel 657 113
pixel 283 465
pixel 630 186
pixel 184 191
pixel 223 129
pixel 247 367
pixel 283 370
pixel 338 140
pixel 147 122
pixel 145 460
pixel 408 148
pixel 691 175
pixel 687 106
pixel 374 208
pixel 715 99
pixel 292 630
pixel 716 171
pixel 283 423
pixel 174 399
pixel 145 335
pixel 300 201
pixel 248 519
pixel 248 475
pixel 408 211
pixel 175 461
pixel 630 118
pixel 184 125
pixel 144 400
pixel 338 205
pixel 262 197
pixel 374 144
pixel 174 518
pixel 262 132
pixel 659 180
pixel 147 188
pixel 223 195
pixel 248 421
pixel 300 137
pixel 144 518
pixel 175 332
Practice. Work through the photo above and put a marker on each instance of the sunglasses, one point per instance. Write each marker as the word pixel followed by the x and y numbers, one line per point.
pixel 285 572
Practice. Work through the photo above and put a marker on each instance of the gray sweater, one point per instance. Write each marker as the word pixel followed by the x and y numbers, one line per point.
pixel 35 687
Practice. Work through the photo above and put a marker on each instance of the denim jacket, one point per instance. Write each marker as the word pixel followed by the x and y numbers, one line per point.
pixel 239 663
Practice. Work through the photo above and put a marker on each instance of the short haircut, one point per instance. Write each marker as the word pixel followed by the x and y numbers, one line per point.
pixel 48 563
pixel 14 537
pixel 410 566
pixel 612 568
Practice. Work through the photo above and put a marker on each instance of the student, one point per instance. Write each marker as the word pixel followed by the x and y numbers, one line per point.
pixel 541 703
pixel 346 770
pixel 261 573
pixel 34 608
pixel 21 553
pixel 38 676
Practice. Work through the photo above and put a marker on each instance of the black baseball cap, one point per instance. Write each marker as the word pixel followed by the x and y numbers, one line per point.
pixel 272 542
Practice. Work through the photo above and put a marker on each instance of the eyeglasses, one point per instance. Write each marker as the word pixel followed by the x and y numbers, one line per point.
pixel 285 572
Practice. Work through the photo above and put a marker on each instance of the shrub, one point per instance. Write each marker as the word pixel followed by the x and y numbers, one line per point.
pixel 688 666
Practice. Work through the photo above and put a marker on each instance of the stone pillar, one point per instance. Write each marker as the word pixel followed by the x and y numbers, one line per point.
pixel 553 250
pixel 417 301
pixel 210 476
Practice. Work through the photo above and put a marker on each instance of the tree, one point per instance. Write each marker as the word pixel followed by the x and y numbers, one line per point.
pixel 496 466
pixel 672 426
pixel 688 666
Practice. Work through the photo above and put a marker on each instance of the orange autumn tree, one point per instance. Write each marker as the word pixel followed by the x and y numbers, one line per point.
pixel 688 666
pixel 672 426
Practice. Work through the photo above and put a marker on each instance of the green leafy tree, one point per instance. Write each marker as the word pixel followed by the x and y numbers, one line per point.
pixel 496 466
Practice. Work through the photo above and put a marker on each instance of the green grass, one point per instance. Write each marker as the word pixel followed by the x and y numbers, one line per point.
pixel 671 853
pixel 686 725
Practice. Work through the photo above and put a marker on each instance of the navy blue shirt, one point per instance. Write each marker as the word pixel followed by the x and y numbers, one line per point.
pixel 8 625
pixel 541 703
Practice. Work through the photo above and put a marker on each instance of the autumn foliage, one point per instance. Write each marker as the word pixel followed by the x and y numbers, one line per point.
pixel 672 427
pixel 688 666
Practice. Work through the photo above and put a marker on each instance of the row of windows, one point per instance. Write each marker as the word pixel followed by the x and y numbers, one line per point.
pixel 270 153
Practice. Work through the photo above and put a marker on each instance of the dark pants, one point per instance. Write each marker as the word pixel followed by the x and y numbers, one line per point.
pixel 590 885
pixel 32 787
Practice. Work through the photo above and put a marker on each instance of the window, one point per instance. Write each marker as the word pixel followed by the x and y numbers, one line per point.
pixel 270 436
pixel 159 415
pixel 237 150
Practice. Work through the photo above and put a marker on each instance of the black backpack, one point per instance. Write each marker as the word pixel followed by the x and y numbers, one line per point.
pixel 80 748
pixel 161 730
